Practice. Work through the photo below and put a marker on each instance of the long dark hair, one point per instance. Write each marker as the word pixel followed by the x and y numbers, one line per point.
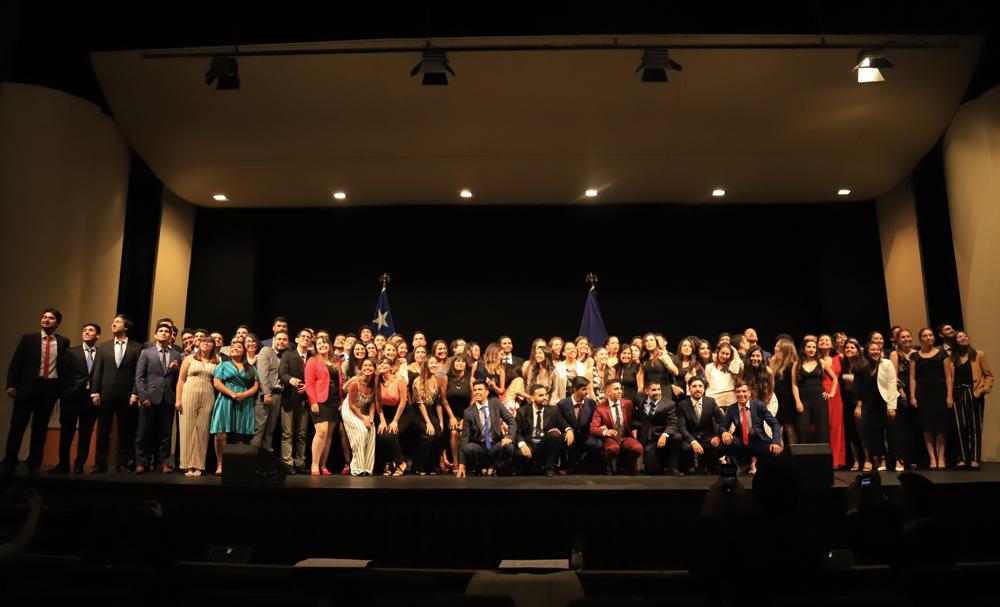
pixel 759 379
pixel 248 369
pixel 957 351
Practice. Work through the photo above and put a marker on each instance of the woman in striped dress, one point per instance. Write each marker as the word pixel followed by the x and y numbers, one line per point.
pixel 233 414
pixel 195 398
pixel 359 419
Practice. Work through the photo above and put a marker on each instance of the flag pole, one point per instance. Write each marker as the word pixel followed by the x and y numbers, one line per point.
pixel 592 280
pixel 384 280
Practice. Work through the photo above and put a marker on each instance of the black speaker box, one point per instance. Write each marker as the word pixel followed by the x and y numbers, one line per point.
pixel 813 464
pixel 249 466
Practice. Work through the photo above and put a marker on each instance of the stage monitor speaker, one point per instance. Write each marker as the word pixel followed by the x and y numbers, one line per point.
pixel 249 466
pixel 813 464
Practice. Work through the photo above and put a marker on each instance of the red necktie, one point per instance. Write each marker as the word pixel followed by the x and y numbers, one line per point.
pixel 45 362
pixel 746 427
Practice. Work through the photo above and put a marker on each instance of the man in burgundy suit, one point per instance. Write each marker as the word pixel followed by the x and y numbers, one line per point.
pixel 613 421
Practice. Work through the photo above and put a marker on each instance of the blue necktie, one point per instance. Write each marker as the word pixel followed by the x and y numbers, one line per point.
pixel 90 359
pixel 486 427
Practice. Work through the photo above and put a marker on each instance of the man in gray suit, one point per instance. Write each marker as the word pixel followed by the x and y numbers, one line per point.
pixel 156 386
pixel 268 406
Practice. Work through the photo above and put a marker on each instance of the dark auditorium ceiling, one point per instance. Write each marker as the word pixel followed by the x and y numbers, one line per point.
pixel 518 127
pixel 539 127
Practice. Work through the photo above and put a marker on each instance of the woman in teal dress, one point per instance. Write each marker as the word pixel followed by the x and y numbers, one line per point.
pixel 233 414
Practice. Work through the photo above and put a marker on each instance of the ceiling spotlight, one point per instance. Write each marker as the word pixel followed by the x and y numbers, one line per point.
pixel 843 192
pixel 339 195
pixel 870 65
pixel 465 194
pixel 591 193
pixel 655 64
pixel 718 192
pixel 220 197
pixel 225 70
pixel 434 66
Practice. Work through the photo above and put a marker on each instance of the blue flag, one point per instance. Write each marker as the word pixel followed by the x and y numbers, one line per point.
pixel 382 323
pixel 592 325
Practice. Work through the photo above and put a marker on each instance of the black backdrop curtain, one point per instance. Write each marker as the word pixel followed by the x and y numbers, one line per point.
pixel 482 271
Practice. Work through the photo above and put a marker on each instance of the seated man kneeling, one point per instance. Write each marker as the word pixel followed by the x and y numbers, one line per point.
pixel 539 428
pixel 742 430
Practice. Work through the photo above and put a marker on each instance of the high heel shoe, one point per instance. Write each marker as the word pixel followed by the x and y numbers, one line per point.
pixel 325 472
pixel 314 473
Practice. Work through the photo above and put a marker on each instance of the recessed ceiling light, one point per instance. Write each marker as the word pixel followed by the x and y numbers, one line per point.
pixel 465 194
pixel 843 192
pixel 591 193
pixel 339 195
pixel 718 192
pixel 220 197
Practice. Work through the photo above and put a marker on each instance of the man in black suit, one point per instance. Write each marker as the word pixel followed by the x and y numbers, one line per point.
pixel 540 432
pixel 746 419
pixel 33 381
pixel 294 404
pixel 113 390
pixel 156 386
pixel 506 353
pixel 583 451
pixel 700 419
pixel 659 431
pixel 483 442
pixel 74 403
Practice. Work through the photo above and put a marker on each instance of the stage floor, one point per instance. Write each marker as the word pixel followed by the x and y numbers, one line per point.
pixel 639 482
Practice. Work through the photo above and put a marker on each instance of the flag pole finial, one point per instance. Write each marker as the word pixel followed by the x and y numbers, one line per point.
pixel 384 280
pixel 592 280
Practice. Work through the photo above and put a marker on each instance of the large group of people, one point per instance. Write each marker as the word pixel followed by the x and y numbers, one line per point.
pixel 392 406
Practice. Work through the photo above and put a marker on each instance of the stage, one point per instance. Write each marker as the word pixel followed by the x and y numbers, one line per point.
pixel 622 522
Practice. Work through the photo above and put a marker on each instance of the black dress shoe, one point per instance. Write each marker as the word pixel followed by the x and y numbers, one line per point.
pixel 78 469
pixel 60 469
pixel 290 470
pixel 119 468
pixel 99 469
pixel 550 472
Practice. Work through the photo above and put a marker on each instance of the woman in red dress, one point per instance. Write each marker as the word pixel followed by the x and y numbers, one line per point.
pixel 831 360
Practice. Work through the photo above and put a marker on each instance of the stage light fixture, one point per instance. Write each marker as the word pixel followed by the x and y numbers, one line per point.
pixel 434 66
pixel 718 192
pixel 220 197
pixel 591 193
pixel 655 64
pixel 224 71
pixel 340 195
pixel 870 66
pixel 465 194
pixel 843 192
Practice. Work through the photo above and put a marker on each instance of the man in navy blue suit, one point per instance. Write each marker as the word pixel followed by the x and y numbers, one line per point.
pixel 742 430
pixel 156 386
pixel 583 451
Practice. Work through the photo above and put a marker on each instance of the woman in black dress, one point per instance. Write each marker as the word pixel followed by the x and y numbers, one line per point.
pixel 931 377
pixel 852 360
pixel 458 395
pixel 782 364
pixel 429 408
pixel 810 397
pixel 627 372
pixel 656 365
